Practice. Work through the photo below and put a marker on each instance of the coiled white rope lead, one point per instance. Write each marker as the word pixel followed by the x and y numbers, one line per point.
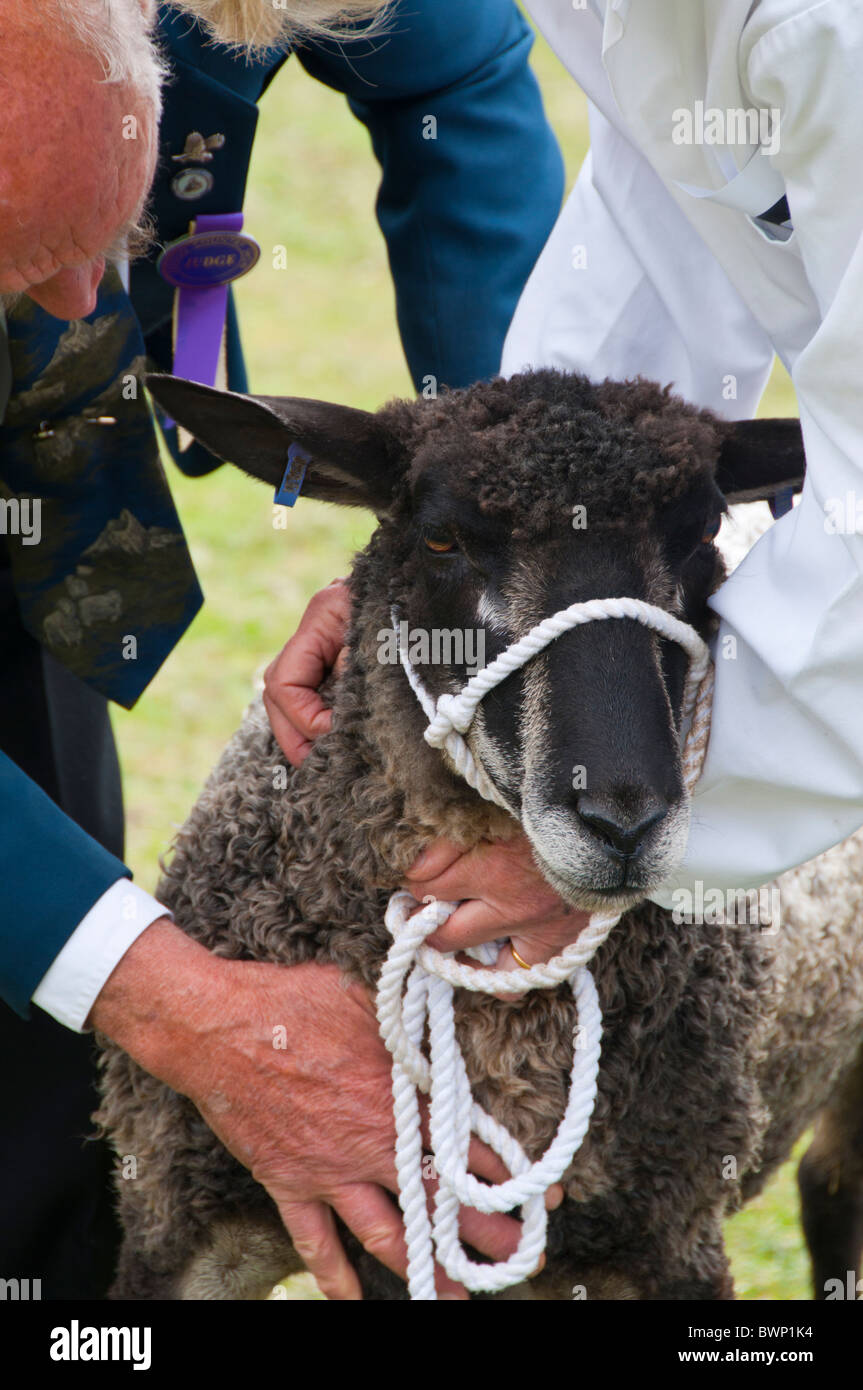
pixel 416 986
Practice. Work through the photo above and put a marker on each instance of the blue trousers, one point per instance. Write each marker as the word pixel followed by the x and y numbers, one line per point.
pixel 56 1211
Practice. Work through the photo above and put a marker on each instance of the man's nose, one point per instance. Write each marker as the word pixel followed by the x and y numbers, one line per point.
pixel 70 294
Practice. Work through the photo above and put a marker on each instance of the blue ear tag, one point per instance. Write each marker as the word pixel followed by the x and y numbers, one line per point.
pixel 295 472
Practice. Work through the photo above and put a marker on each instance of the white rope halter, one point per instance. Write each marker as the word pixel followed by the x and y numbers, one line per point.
pixel 416 985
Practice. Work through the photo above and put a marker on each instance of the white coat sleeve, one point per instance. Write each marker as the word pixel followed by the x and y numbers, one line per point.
pixel 626 286
pixel 783 779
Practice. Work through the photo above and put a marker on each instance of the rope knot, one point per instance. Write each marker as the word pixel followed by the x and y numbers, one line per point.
pixel 452 715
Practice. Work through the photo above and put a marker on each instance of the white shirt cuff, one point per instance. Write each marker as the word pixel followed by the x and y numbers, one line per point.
pixel 69 988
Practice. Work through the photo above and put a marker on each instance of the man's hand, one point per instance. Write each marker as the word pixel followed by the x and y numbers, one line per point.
pixel 312 1121
pixel 297 713
pixel 507 896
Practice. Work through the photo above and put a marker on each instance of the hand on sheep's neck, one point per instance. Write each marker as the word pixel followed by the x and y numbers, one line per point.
pixel 474 851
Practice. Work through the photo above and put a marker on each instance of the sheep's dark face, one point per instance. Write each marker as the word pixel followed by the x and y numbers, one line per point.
pixel 583 742
pixel 500 505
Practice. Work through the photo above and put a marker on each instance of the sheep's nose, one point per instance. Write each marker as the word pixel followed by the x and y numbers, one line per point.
pixel 621 833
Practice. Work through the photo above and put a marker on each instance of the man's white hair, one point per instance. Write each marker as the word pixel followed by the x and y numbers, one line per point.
pixel 119 34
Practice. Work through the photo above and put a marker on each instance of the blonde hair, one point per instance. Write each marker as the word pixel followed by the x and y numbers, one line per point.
pixel 258 24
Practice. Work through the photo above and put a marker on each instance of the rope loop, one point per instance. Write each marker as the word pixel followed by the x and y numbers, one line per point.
pixel 417 984
pixel 409 996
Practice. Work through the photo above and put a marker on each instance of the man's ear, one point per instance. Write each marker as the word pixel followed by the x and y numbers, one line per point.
pixel 354 458
pixel 759 458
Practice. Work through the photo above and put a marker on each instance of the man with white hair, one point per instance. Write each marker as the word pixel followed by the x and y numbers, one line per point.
pixel 102 560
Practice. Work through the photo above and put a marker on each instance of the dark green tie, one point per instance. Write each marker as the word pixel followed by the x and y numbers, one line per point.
pixel 109 588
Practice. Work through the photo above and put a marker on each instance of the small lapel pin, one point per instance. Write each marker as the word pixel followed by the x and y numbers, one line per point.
pixel 193 183
pixel 198 148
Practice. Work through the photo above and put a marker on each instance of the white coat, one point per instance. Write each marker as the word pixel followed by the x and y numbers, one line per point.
pixel 657 266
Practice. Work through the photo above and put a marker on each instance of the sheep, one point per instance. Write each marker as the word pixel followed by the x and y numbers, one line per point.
pixel 722 1042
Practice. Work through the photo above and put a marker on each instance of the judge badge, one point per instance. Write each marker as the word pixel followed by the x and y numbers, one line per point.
pixel 201 266
pixel 208 258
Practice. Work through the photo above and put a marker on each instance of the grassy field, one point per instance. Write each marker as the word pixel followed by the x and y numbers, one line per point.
pixel 324 327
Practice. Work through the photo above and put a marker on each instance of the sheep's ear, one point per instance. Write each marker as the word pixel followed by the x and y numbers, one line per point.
pixel 353 457
pixel 759 458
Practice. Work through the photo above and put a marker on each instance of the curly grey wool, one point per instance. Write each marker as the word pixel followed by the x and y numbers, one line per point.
pixel 722 1042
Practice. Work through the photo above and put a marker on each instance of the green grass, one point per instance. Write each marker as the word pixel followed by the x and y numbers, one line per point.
pixel 765 1242
pixel 323 327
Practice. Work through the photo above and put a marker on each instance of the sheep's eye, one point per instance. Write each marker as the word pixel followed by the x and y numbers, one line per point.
pixel 440 543
pixel 711 530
